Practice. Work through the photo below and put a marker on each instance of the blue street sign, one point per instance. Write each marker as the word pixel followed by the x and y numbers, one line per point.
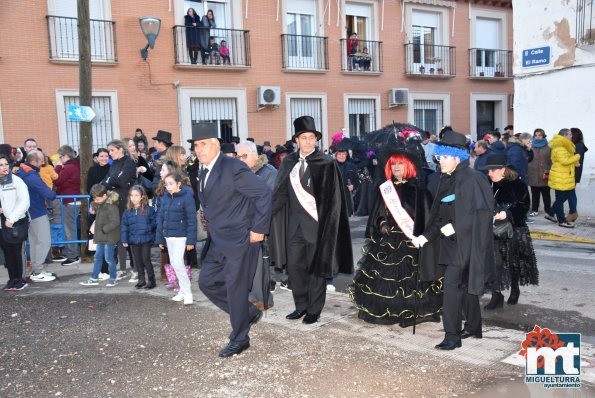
pixel 536 57
pixel 78 113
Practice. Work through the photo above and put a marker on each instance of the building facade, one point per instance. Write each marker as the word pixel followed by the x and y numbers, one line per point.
pixel 554 69
pixel 426 62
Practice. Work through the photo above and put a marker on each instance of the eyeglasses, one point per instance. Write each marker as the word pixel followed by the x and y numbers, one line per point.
pixel 242 157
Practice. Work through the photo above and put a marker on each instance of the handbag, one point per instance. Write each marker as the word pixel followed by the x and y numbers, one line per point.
pixel 19 231
pixel 503 230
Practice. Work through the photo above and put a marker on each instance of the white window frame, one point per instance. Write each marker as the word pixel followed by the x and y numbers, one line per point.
pixel 61 93
pixel 235 10
pixel 427 96
pixel 323 114
pixel 502 17
pixel 373 23
pixel 377 109
pixel 443 29
pixel 186 94
pixel 318 18
pixel 500 110
pixel 107 8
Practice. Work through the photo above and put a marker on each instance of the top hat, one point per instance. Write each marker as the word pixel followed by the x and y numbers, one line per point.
pixel 163 136
pixel 267 143
pixel 496 161
pixel 228 148
pixel 305 124
pixel 203 131
pixel 235 139
pixel 454 139
pixel 343 146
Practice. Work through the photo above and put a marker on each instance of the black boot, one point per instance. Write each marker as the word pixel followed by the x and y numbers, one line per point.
pixel 141 283
pixel 151 283
pixel 514 295
pixel 497 301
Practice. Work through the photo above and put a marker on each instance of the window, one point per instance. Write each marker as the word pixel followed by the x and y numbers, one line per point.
pixel 102 124
pixel 425 36
pixel 585 22
pixel 428 115
pixel 221 111
pixel 489 55
pixel 302 47
pixel 307 107
pixel 362 116
pixel 63 31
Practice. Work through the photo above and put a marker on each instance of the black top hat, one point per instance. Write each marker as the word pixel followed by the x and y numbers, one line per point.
pixel 163 136
pixel 228 148
pixel 305 124
pixel 496 161
pixel 343 146
pixel 203 131
pixel 452 138
pixel 267 143
pixel 235 139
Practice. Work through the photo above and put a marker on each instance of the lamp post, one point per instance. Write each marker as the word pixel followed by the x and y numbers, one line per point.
pixel 150 27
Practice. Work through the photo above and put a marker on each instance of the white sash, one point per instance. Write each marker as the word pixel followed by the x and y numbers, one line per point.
pixel 307 201
pixel 393 203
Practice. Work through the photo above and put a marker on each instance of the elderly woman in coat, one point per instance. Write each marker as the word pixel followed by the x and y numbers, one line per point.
pixel 14 203
pixel 539 170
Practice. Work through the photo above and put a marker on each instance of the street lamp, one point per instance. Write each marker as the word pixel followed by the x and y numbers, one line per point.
pixel 150 27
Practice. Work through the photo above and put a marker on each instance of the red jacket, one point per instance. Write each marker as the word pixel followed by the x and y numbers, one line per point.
pixel 69 179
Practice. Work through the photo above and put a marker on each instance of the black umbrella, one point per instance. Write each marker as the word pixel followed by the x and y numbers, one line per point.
pixel 389 135
pixel 265 273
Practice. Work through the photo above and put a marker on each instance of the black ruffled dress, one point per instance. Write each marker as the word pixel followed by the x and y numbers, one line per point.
pixel 386 289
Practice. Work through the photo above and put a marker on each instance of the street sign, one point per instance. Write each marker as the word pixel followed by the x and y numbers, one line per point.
pixel 78 113
pixel 536 57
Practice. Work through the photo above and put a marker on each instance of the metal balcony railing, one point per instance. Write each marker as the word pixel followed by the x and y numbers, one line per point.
pixel 585 22
pixel 305 52
pixel 430 60
pixel 64 45
pixel 188 50
pixel 488 63
pixel 366 57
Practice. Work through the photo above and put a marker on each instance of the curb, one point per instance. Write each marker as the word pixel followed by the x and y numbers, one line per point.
pixel 545 235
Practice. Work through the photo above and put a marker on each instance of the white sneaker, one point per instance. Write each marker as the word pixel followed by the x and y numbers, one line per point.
pixel 42 276
pixel 330 288
pixel 133 277
pixel 121 275
pixel 178 297
pixel 90 282
pixel 188 300
pixel 111 283
pixel 103 277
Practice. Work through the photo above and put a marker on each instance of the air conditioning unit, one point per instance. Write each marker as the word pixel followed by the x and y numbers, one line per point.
pixel 398 97
pixel 269 95
pixel 510 101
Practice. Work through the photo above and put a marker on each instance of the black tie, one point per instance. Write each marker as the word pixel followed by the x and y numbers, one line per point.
pixel 202 178
pixel 302 167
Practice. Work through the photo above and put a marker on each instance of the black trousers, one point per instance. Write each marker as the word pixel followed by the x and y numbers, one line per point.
pixel 141 255
pixel 458 302
pixel 226 281
pixel 544 192
pixel 309 290
pixel 13 257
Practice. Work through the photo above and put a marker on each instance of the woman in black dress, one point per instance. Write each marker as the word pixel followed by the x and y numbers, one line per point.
pixel 386 288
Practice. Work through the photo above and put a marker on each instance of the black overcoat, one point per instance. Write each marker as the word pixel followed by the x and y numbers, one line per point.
pixel 192 31
pixel 474 207
pixel 333 250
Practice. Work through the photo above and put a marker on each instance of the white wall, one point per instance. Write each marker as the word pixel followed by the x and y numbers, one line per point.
pixel 561 94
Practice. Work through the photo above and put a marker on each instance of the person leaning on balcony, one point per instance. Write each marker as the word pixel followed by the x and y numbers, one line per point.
pixel 69 183
pixel 192 23
pixel 206 24
pixel 352 48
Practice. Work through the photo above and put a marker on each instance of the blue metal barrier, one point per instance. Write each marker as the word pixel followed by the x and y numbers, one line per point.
pixel 74 207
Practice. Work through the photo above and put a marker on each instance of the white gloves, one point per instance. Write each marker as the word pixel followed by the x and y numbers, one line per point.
pixel 447 230
pixel 419 241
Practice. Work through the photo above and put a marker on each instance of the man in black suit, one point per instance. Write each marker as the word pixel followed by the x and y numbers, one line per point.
pixel 237 205
pixel 310 229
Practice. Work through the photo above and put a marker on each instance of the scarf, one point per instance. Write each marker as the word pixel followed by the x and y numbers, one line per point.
pixel 539 143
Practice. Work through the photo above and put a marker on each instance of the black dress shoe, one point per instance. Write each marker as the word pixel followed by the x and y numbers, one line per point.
pixel 448 345
pixel 256 318
pixel 296 315
pixel 465 334
pixel 140 284
pixel 233 349
pixel 151 285
pixel 310 318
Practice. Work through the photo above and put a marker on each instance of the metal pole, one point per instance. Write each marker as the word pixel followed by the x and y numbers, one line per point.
pixel 85 97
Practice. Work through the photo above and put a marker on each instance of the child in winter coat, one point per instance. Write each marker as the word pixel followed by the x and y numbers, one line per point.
pixel 176 227
pixel 138 232
pixel 224 52
pixel 106 233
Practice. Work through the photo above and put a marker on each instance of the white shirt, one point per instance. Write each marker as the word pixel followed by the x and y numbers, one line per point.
pixel 210 167
pixel 304 158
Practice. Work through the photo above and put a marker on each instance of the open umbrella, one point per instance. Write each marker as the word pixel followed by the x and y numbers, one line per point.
pixel 389 134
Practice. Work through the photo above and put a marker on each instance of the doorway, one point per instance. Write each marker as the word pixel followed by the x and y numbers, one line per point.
pixel 486 116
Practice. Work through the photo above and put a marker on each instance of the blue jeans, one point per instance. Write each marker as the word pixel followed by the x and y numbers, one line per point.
pixel 558 206
pixel 572 202
pixel 104 251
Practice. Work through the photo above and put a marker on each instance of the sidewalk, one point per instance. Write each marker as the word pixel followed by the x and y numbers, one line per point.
pixel 584 232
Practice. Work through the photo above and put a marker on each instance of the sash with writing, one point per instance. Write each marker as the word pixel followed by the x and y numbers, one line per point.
pixel 307 201
pixel 393 203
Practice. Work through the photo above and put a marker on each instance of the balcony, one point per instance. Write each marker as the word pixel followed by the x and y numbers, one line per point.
pixel 305 53
pixel 423 60
pixel 490 64
pixel 64 45
pixel 237 41
pixel 366 60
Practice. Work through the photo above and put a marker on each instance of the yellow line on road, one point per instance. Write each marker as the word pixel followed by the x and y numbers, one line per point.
pixel 543 235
